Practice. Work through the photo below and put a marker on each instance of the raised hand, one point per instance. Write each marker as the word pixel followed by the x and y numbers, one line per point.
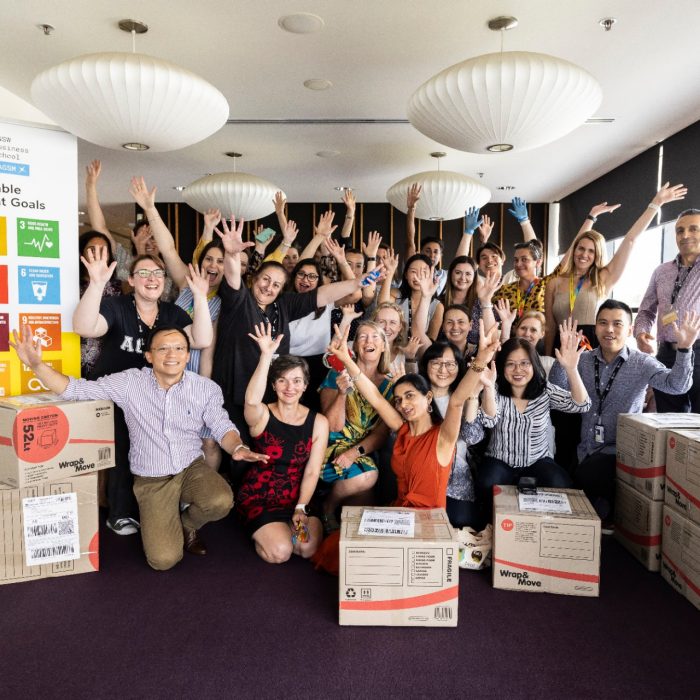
pixel 343 382
pixel 391 264
pixel 485 228
pixel 472 220
pixel 644 343
pixel 95 261
pixel 687 331
pixel 279 201
pixel 410 350
pixel 519 210
pixel 427 282
pixel 603 208
pixel 372 246
pixel 92 172
pixel 142 196
pixel 232 237
pixel 336 250
pixel 196 281
pixel 505 313
pixel 325 225
pixel 489 285
pixel 488 376
pixel 488 343
pixel 397 370
pixel 339 344
pixel 669 193
pixel 413 195
pixel 373 276
pixel 263 337
pixel 28 350
pixel 569 352
pixel 211 219
pixel 349 200
pixel 140 239
pixel 290 232
pixel 349 313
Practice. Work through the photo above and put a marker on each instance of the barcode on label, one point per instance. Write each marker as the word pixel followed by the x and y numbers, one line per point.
pixel 58 550
pixel 443 612
pixel 104 453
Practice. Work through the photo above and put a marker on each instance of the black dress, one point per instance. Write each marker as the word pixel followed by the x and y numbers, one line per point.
pixel 269 492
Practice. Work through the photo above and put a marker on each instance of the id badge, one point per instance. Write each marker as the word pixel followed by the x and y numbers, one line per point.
pixel 599 434
pixel 670 317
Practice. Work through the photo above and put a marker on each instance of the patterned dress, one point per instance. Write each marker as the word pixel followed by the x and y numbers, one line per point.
pixel 269 492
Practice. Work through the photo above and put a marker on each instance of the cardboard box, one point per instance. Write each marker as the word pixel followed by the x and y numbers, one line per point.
pixel 638 525
pixel 680 554
pixel 61 535
pixel 399 581
pixel 641 448
pixel 45 439
pixel 543 550
pixel 683 472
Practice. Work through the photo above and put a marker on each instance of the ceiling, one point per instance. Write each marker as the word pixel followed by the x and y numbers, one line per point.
pixel 375 54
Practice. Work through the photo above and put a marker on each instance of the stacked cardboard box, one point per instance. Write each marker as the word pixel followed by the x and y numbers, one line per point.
pixel 50 451
pixel 680 564
pixel 394 576
pixel 641 480
pixel 548 542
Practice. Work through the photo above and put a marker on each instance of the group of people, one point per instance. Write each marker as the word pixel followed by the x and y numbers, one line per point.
pixel 333 375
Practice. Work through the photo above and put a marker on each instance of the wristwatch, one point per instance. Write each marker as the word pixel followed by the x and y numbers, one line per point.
pixel 303 508
pixel 360 449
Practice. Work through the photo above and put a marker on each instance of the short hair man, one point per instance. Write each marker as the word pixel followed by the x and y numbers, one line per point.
pixel 616 379
pixel 673 291
pixel 165 407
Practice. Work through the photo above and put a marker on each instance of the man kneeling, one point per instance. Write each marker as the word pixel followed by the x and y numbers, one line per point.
pixel 166 408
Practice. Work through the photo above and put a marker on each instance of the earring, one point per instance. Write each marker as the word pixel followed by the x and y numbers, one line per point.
pixel 430 408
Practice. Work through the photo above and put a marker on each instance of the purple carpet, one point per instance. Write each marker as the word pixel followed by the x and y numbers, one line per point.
pixel 229 625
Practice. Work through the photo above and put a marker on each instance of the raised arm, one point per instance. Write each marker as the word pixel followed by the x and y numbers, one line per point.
pixel 507 316
pixel 339 347
pixel 29 353
pixel 329 293
pixel 472 221
pixel 411 200
pixel 95 214
pixel 370 250
pixel 594 213
pixel 614 269
pixel 391 263
pixel 289 235
pixel 519 211
pixel 338 253
pixel 567 356
pixel 323 231
pixel 232 240
pixel 88 322
pixel 211 220
pixel 420 327
pixel 280 203
pixel 255 411
pixel 201 331
pixel 349 199
pixel 487 288
pixel 161 233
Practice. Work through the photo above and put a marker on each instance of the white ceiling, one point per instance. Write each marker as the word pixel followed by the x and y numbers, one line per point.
pixel 376 53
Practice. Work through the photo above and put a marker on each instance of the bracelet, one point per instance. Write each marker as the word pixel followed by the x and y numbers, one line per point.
pixel 682 349
pixel 592 218
pixel 476 367
pixel 355 378
pixel 473 398
pixel 374 259
pixel 302 507
pixel 240 446
pixel 285 245
pixel 653 206
pixel 486 306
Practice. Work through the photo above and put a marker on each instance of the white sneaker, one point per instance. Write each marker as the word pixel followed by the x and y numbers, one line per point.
pixel 123 526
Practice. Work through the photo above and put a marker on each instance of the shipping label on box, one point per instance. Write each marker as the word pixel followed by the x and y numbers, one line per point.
pixel 395 579
pixel 44 439
pixel 49 529
pixel 680 554
pixel 638 525
pixel 641 448
pixel 546 551
pixel 683 472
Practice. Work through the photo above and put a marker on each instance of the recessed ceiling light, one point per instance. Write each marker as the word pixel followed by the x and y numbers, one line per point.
pixel 327 154
pixel 607 23
pixel 318 84
pixel 342 188
pixel 500 147
pixel 301 23
pixel 180 188
pixel 233 154
pixel 135 146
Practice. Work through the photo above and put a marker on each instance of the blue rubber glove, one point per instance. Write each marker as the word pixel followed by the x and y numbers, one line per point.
pixel 473 221
pixel 519 210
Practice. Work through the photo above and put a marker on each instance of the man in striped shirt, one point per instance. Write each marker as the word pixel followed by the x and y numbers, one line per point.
pixel 674 290
pixel 166 408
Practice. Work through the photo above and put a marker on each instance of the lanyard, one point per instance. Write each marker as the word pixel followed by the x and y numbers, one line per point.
pixel 573 291
pixel 680 281
pixel 271 315
pixel 606 391
pixel 522 299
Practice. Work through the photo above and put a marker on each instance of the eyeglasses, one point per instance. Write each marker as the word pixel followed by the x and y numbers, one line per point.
pixel 311 276
pixel 165 349
pixel 523 364
pixel 145 274
pixel 449 365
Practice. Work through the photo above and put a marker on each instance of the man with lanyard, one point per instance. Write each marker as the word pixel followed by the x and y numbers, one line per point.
pixel 673 291
pixel 165 407
pixel 616 378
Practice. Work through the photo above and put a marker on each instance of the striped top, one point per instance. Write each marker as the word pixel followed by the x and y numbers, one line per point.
pixel 164 425
pixel 186 301
pixel 520 439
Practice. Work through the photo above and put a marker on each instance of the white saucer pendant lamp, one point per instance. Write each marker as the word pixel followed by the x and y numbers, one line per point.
pixel 504 101
pixel 245 196
pixel 444 195
pixel 130 100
